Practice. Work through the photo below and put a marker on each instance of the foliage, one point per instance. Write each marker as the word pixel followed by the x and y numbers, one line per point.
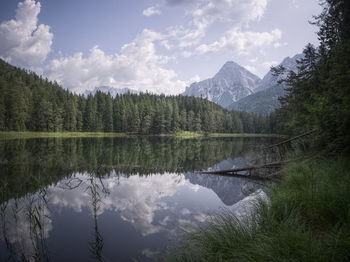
pixel 31 103
pixel 307 219
pixel 319 93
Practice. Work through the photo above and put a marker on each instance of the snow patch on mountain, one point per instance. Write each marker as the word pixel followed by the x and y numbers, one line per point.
pixel 230 84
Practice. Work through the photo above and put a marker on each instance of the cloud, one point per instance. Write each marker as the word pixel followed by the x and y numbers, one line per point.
pixel 153 10
pixel 204 13
pixel 186 37
pixel 186 54
pixel 180 2
pixel 253 60
pixel 235 11
pixel 242 42
pixel 136 198
pixel 137 66
pixel 193 79
pixel 24 42
pixel 251 69
pixel 269 64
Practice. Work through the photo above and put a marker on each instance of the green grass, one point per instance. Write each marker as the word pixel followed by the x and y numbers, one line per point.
pixel 187 134
pixel 242 135
pixel 15 135
pixel 308 219
pixel 180 135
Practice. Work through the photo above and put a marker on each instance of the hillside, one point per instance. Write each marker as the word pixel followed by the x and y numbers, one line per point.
pixel 29 102
pixel 266 99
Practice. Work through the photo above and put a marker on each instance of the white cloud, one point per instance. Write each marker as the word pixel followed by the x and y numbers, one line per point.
pixel 193 79
pixel 166 44
pixel 203 13
pixel 242 42
pixel 24 42
pixel 279 44
pixel 153 10
pixel 251 69
pixel 185 37
pixel 186 54
pixel 268 64
pixel 135 198
pixel 253 60
pixel 137 66
pixel 234 11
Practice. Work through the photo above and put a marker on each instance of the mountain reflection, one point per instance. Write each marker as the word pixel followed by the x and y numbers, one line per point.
pixel 140 194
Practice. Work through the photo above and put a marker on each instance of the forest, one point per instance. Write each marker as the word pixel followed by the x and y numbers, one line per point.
pixel 318 97
pixel 30 103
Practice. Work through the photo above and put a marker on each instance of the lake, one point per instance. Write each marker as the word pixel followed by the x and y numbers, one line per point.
pixel 113 199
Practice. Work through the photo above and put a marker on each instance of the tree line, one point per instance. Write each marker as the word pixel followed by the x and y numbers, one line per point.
pixel 30 102
pixel 319 93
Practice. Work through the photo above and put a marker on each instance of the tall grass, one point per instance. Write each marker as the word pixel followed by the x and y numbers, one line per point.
pixel 307 219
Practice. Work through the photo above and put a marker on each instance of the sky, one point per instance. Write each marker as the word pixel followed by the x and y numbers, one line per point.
pixel 159 46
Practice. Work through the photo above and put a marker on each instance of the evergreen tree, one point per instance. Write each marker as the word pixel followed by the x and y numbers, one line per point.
pixel 319 93
pixel 29 102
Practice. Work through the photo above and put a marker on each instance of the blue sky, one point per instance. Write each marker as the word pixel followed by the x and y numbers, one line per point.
pixel 155 45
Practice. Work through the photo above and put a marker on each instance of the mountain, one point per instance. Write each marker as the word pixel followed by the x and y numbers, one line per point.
pixel 269 80
pixel 265 100
pixel 222 186
pixel 113 91
pixel 230 84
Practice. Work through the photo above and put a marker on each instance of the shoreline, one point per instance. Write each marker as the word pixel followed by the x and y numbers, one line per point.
pixel 298 223
pixel 4 135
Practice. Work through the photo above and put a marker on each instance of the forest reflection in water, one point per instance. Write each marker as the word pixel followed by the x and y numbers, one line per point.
pixel 111 199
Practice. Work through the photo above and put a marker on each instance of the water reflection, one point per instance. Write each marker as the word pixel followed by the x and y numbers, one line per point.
pixel 110 199
pixel 25 225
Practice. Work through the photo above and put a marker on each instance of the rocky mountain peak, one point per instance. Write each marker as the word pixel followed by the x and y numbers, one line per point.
pixel 231 83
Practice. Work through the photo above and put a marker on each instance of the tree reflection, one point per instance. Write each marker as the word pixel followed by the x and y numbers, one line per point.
pixel 97 192
pixel 30 164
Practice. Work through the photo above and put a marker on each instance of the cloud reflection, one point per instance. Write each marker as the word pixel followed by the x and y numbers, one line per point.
pixel 137 199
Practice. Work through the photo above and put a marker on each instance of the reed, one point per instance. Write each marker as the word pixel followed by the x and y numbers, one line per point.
pixel 307 219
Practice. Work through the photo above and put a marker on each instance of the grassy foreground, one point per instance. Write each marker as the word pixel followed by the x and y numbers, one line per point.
pixel 308 219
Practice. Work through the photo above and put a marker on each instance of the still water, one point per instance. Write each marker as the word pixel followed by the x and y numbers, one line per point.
pixel 112 199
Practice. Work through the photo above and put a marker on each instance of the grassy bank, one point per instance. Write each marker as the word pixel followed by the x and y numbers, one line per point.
pixel 242 135
pixel 308 219
pixel 189 134
pixel 181 135
pixel 15 135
